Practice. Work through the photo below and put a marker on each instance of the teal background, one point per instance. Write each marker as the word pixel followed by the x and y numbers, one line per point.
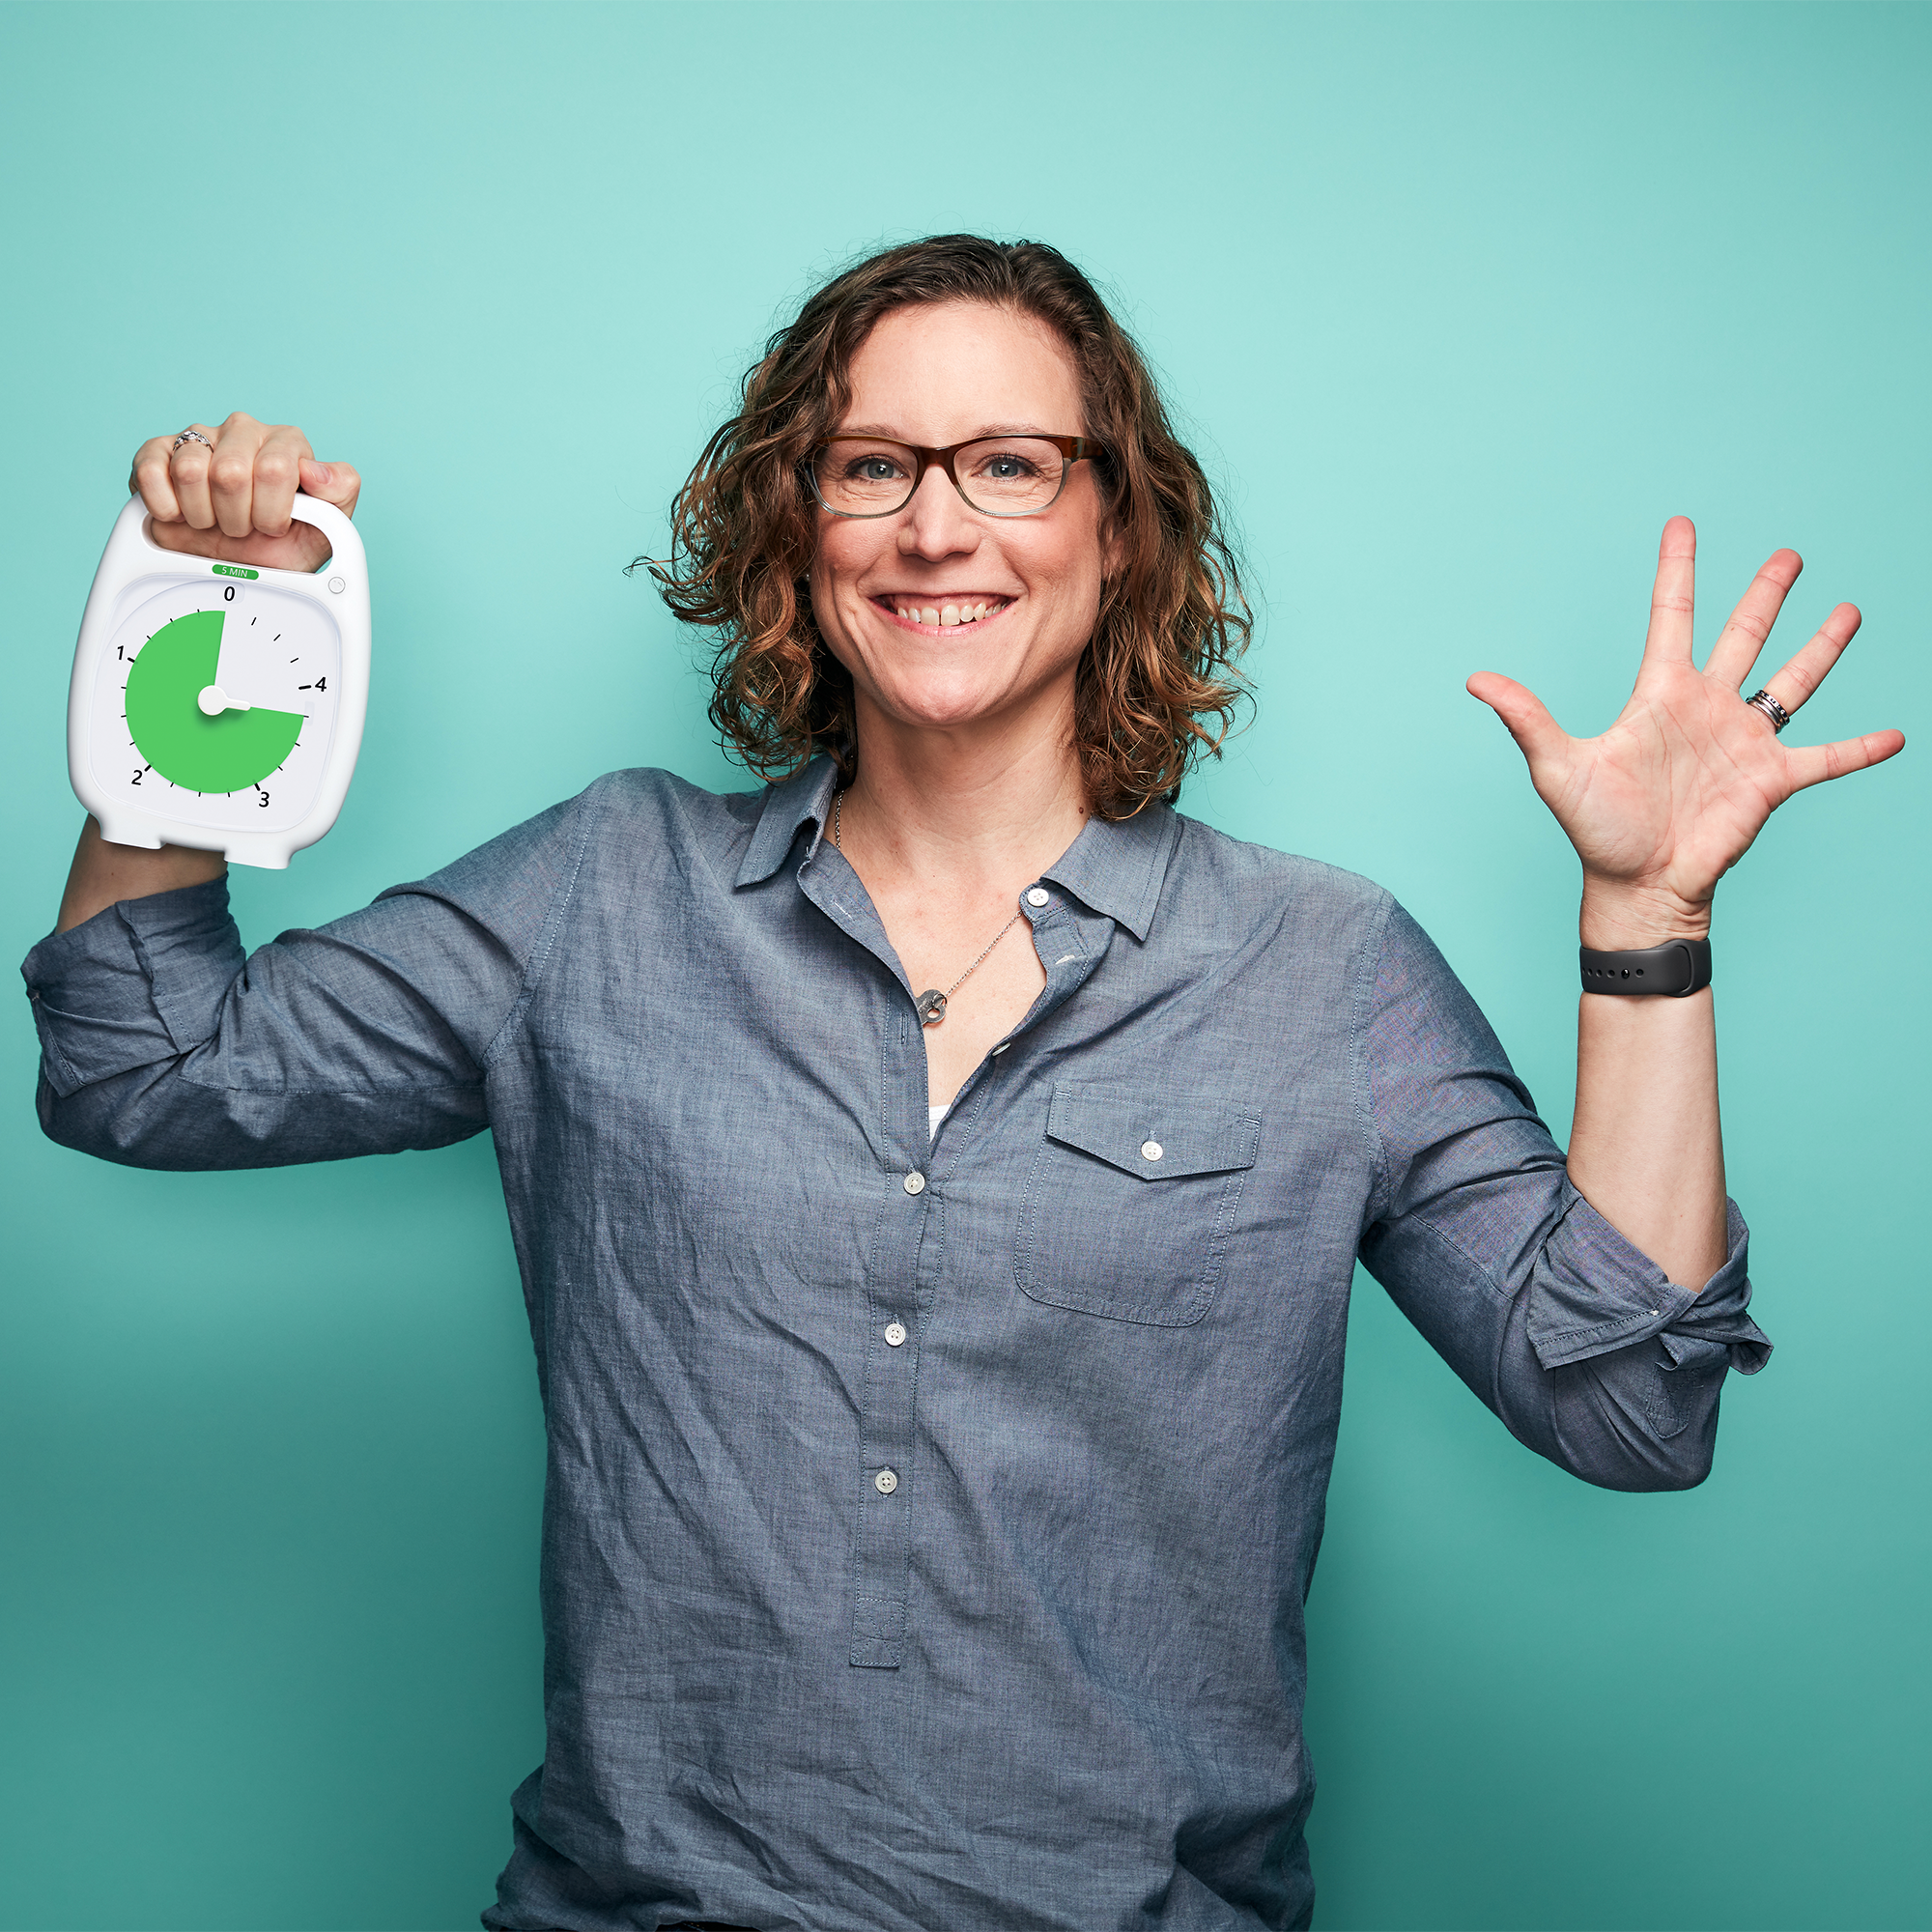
pixel 1459 303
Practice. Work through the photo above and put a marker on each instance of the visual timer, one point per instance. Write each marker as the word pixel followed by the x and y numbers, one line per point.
pixel 218 706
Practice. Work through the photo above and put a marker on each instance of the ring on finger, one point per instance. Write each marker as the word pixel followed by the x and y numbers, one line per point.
pixel 190 435
pixel 1763 701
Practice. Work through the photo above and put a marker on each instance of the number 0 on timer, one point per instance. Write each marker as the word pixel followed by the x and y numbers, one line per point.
pixel 218 706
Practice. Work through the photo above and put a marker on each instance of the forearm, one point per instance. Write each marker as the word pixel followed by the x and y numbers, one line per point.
pixel 104 874
pixel 162 1047
pixel 1646 1149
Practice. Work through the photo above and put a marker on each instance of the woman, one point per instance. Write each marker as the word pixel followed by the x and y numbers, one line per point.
pixel 937 1176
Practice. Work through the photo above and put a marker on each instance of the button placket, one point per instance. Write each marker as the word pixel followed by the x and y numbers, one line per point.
pixel 882 1548
pixel 903 1276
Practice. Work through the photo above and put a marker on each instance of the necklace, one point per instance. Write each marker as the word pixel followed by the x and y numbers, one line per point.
pixel 930 1006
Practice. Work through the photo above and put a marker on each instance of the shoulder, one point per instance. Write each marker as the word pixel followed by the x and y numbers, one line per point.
pixel 1240 884
pixel 644 795
pixel 644 818
pixel 634 819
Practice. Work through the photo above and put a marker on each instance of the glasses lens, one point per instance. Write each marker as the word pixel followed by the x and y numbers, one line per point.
pixel 1010 475
pixel 861 477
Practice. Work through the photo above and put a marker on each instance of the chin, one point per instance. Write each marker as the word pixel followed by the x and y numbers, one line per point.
pixel 946 703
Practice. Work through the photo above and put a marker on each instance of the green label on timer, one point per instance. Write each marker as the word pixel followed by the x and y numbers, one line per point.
pixel 234 570
pixel 167 723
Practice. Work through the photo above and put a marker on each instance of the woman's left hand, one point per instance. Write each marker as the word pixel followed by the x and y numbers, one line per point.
pixel 1670 797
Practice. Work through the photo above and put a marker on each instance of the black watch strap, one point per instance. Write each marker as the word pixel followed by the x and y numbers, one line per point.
pixel 1678 969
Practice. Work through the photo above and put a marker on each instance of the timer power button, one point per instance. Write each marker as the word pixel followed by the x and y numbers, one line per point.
pixel 337 586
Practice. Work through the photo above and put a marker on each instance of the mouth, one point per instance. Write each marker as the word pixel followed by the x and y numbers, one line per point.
pixel 956 612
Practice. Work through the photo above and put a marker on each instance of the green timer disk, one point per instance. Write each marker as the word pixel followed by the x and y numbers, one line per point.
pixel 225 753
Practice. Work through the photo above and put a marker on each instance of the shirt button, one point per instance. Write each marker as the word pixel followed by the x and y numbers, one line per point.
pixel 1151 1150
pixel 1037 896
pixel 895 1334
pixel 915 1182
pixel 885 1482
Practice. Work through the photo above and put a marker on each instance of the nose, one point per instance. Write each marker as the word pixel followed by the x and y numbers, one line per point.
pixel 936 523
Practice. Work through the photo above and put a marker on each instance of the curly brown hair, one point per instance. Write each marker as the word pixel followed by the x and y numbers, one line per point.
pixel 1172 620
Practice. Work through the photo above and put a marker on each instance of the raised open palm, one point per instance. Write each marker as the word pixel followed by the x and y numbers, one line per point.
pixel 1670 797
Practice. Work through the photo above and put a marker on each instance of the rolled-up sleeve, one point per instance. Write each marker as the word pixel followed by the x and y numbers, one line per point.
pixel 1584 1347
pixel 161 1045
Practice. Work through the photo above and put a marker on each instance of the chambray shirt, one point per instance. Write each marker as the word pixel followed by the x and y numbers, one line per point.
pixel 928 1524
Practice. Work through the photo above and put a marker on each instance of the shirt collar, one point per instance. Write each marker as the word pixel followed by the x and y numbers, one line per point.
pixel 1115 865
pixel 806 797
pixel 1118 866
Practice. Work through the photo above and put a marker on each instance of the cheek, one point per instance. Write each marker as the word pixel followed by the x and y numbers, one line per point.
pixel 833 563
pixel 1075 570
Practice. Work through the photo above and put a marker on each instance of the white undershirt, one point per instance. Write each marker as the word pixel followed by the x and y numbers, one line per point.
pixel 933 1117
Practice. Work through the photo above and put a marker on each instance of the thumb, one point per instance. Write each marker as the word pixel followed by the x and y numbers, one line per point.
pixel 1538 736
pixel 336 483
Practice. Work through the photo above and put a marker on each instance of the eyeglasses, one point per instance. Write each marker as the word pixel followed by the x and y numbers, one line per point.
pixel 997 475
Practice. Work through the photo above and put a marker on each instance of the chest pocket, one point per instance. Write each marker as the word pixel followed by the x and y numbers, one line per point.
pixel 1128 1205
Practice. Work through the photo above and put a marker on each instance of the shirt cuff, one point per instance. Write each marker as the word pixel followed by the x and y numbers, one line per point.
pixel 1593 1292
pixel 142 981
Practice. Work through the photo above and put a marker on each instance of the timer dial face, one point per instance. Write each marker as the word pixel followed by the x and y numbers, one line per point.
pixel 214 704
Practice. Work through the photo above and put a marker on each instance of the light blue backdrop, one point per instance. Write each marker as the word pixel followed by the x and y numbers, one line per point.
pixel 1459 303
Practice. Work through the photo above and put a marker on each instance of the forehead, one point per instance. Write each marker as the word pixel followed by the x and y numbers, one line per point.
pixel 946 371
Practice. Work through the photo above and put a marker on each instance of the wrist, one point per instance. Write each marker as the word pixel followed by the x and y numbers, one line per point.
pixel 1616 917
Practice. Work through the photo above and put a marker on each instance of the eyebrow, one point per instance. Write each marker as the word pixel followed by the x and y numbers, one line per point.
pixel 893 435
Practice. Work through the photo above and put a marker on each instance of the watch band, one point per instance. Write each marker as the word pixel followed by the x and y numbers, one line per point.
pixel 1677 968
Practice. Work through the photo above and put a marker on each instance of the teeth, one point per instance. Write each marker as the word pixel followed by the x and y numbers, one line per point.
pixel 945 614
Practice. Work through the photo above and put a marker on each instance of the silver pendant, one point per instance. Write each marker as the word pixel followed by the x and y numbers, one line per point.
pixel 930 1007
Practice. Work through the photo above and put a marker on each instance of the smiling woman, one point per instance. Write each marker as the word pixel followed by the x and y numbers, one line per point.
pixel 942 1384
pixel 1018 324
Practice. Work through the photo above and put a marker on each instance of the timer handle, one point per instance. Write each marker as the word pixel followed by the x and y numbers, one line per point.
pixel 345 541
pixel 129 537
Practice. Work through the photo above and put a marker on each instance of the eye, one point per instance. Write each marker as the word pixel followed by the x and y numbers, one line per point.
pixel 1006 466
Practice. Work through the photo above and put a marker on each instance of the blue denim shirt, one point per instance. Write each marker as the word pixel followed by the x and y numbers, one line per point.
pixel 928 1524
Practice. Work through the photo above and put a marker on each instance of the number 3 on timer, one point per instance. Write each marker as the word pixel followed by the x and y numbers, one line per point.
pixel 217 706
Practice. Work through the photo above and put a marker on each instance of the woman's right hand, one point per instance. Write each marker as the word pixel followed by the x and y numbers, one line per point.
pixel 230 496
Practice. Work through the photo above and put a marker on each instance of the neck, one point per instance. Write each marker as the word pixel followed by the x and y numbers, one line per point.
pixel 971 807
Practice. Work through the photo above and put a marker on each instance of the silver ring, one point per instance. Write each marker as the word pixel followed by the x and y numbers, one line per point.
pixel 190 435
pixel 1763 701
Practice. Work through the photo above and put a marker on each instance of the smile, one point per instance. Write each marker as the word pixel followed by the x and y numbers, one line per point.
pixel 944 613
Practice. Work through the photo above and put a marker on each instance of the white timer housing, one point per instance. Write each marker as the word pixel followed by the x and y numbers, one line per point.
pixel 218 705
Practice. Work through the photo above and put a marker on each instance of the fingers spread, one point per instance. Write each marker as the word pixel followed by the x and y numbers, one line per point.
pixel 1674 595
pixel 1812 764
pixel 1807 672
pixel 1536 735
pixel 1749 625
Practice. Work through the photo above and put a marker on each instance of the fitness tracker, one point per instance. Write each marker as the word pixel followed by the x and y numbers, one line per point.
pixel 1678 969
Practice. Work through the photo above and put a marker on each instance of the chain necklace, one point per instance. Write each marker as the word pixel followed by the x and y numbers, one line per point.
pixel 930 1006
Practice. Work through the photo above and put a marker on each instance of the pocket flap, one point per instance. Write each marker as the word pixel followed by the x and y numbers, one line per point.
pixel 1154 1139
